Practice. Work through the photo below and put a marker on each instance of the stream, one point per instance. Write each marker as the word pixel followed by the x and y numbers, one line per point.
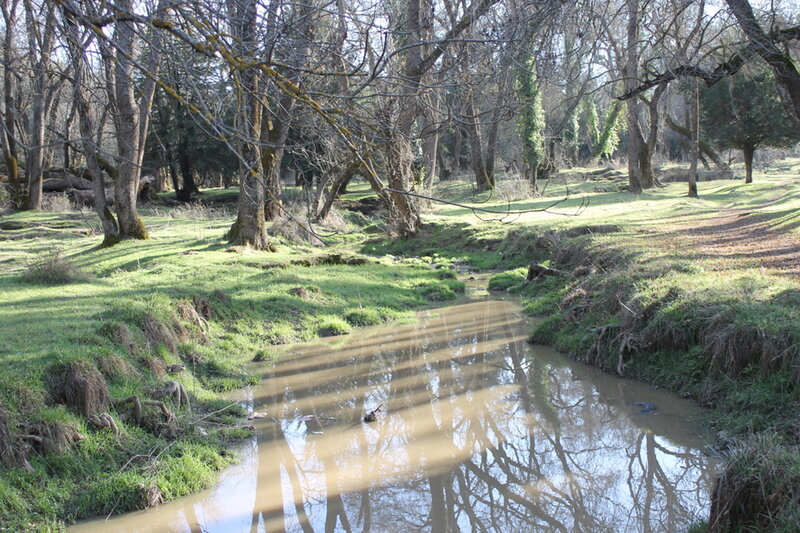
pixel 476 430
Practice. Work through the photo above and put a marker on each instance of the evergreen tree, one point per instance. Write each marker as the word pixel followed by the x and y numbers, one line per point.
pixel 744 112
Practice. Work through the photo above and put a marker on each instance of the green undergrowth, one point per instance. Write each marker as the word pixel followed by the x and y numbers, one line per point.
pixel 182 307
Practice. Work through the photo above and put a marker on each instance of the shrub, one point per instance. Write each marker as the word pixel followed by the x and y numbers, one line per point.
pixel 56 203
pixel 54 269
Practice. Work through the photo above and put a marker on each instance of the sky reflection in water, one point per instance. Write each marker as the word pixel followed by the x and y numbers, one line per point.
pixel 478 431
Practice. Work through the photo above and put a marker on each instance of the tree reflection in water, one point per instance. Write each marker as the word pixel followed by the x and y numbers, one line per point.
pixel 479 432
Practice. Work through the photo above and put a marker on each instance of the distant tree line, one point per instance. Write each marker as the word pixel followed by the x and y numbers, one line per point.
pixel 402 94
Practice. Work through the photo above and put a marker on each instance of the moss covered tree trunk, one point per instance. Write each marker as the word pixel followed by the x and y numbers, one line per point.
pixel 131 117
pixel 78 57
pixel 631 82
pixel 250 226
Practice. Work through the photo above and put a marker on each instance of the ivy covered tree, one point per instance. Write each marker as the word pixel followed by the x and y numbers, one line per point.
pixel 589 133
pixel 531 122
pixel 608 139
pixel 744 112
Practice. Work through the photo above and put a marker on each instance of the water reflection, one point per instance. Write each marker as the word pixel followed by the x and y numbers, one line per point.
pixel 477 432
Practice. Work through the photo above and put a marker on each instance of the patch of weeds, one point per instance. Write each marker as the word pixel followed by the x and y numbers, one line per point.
pixel 280 332
pixel 363 316
pixel 261 356
pixel 441 291
pixel 508 279
pixel 445 273
pixel 331 326
pixel 189 467
pixel 54 269
pixel 760 488
pixel 545 331
pixel 221 375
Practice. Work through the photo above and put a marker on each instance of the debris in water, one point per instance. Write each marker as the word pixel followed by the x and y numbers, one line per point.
pixel 372 416
pixel 646 407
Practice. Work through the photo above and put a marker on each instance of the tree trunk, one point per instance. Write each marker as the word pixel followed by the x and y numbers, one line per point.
pixel 482 180
pixel 79 60
pixel 430 141
pixel 648 177
pixel 131 119
pixel 336 187
pixel 17 187
pixel 250 227
pixel 705 148
pixel 748 163
pixel 42 97
pixel 458 142
pixel 631 82
pixel 494 126
pixel 188 185
pixel 271 155
pixel 695 138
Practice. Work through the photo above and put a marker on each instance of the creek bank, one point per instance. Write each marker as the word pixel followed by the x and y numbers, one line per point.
pixel 728 340
pixel 116 360
pixel 629 301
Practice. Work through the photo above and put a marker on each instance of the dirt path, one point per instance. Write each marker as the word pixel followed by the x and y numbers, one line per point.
pixel 739 238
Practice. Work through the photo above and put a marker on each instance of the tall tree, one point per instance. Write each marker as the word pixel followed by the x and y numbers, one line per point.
pixel 531 122
pixel 635 140
pixel 130 109
pixel 46 81
pixel 744 112
pixel 249 228
pixel 78 43
pixel 8 135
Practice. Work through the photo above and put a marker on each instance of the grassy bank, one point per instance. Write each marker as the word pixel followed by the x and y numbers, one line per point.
pixel 163 321
pixel 661 289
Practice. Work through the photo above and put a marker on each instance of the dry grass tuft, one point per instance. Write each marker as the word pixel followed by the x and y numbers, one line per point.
pixel 157 334
pixel 189 313
pixel 115 368
pixel 80 386
pixel 57 203
pixel 759 490
pixel 53 437
pixel 156 366
pixel 54 269
pixel 204 308
pixel 293 231
pixel 151 496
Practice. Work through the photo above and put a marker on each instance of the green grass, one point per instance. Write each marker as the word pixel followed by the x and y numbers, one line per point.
pixel 73 305
pixel 95 304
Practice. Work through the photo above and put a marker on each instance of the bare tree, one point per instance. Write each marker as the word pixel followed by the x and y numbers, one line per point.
pixel 8 135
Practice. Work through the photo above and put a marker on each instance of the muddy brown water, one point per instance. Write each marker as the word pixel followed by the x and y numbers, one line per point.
pixel 477 431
